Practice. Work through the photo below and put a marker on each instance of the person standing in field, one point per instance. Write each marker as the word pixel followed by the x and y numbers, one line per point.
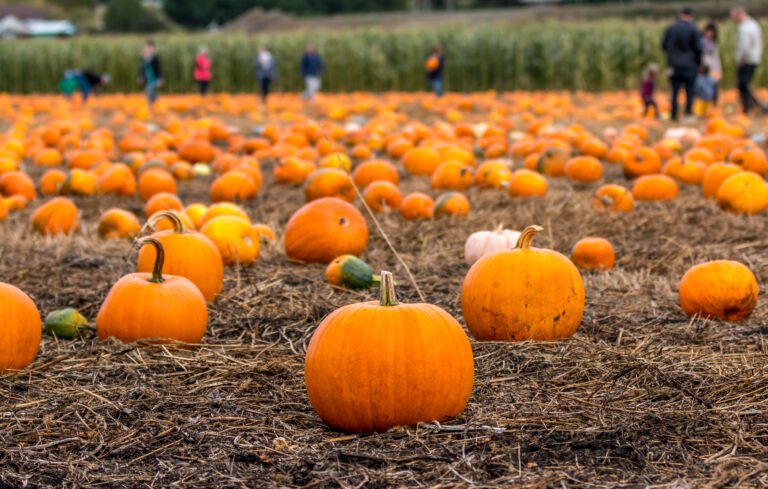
pixel 312 67
pixel 434 66
pixel 710 56
pixel 150 72
pixel 648 88
pixel 203 70
pixel 682 44
pixel 749 53
pixel 706 91
pixel 266 71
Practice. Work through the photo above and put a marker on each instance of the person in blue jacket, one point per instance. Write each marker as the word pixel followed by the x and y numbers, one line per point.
pixel 434 66
pixel 312 67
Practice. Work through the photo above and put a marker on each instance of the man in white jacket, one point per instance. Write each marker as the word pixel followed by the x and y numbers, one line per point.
pixel 749 53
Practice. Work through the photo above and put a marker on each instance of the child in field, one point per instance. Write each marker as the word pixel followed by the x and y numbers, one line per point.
pixel 434 66
pixel 85 81
pixel 705 90
pixel 648 88
pixel 150 73
pixel 203 70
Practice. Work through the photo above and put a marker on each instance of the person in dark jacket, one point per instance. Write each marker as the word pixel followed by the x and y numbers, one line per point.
pixel 150 72
pixel 86 81
pixel 434 67
pixel 682 43
pixel 312 67
pixel 266 71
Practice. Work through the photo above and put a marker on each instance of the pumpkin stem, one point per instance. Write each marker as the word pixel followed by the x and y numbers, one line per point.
pixel 387 289
pixel 157 270
pixel 526 237
pixel 178 225
pixel 499 228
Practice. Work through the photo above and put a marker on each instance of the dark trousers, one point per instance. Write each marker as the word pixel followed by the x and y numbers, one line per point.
pixel 682 78
pixel 748 101
pixel 202 87
pixel 265 83
pixel 650 104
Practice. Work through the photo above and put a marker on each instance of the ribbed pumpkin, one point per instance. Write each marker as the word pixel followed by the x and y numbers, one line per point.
pixel 57 216
pixel 614 198
pixel 188 254
pixel 721 289
pixel 150 305
pixel 236 240
pixel 20 339
pixel 523 294
pixel 118 224
pixel 743 193
pixel 593 254
pixel 350 272
pixel 376 365
pixel 325 229
pixel 417 206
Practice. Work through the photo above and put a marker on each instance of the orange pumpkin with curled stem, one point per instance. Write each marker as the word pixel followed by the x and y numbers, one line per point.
pixel 376 365
pixel 382 194
pixel 593 253
pixel 324 229
pixel 189 254
pixel 542 297
pixel 722 289
pixel 150 305
pixel 614 198
pixel 21 329
pixel 118 224
pixel 57 216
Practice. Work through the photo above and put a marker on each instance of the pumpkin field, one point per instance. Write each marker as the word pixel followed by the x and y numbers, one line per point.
pixel 314 307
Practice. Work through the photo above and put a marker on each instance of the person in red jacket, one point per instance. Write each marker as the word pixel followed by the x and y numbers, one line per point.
pixel 203 68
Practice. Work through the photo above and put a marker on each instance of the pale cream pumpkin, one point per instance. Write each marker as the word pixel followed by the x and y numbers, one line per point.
pixel 483 243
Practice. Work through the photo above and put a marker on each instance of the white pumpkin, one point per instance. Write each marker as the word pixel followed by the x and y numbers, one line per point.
pixel 483 243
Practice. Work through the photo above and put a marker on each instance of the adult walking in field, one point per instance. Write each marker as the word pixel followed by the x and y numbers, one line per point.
pixel 434 67
pixel 710 56
pixel 266 71
pixel 749 53
pixel 682 44
pixel 150 72
pixel 312 67
pixel 203 70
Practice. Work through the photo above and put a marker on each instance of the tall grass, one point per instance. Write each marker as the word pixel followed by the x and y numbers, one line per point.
pixel 536 56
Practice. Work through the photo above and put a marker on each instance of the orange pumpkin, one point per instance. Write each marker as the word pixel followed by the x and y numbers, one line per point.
pixel 48 157
pixel 552 161
pixel 329 182
pixel 150 305
pixel 118 179
pixel 235 185
pixel 154 181
pixel 452 175
pixel 744 193
pixel 196 212
pixel 57 216
pixel 422 161
pixel 189 254
pixel 751 158
pixel 655 188
pixel 324 229
pixel 53 182
pixel 614 198
pixel 265 232
pixel 81 182
pixel 714 177
pixel 646 161
pixel 118 224
pixel 527 183
pixel 720 289
pixel 584 169
pixel 374 170
pixel 197 151
pixel 542 300
pixel 162 201
pixel 493 174
pixel 236 240
pixel 355 385
pixel 452 204
pixel 21 329
pixel 381 195
pixel 417 206
pixel 292 170
pixel 17 183
pixel 223 209
pixel 593 254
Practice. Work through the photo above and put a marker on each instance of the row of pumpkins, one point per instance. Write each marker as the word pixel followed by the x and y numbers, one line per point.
pixel 397 364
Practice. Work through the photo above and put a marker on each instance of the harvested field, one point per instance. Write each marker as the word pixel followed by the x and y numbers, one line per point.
pixel 640 396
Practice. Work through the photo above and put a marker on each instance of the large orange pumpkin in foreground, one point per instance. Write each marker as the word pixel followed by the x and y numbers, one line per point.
pixel 188 254
pixel 523 294
pixel 21 330
pixel 324 229
pixel 721 289
pixel 150 305
pixel 376 365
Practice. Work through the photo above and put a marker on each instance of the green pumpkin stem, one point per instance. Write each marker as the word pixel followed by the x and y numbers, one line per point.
pixel 387 289
pixel 526 237
pixel 178 225
pixel 157 270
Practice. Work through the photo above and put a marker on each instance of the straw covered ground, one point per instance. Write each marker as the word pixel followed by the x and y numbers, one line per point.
pixel 639 396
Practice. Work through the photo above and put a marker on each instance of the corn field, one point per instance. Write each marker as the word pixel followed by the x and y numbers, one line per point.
pixel 589 56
